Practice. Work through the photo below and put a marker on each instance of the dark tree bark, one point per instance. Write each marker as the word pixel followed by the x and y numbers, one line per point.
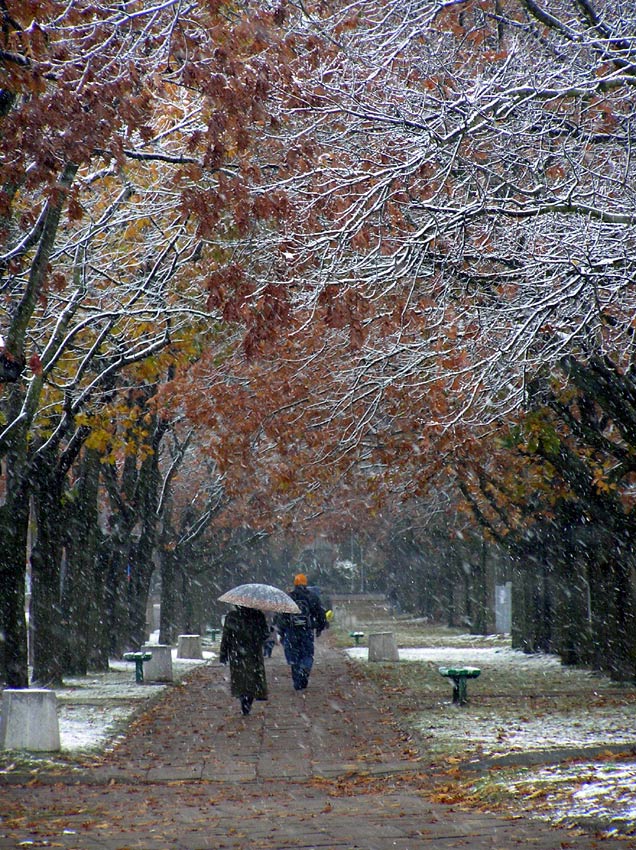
pixel 587 443
pixel 19 415
pixel 168 627
pixel 99 655
pixel 14 522
pixel 83 582
pixel 479 592
pixel 142 563
pixel 46 556
pixel 532 596
pixel 612 611
pixel 116 555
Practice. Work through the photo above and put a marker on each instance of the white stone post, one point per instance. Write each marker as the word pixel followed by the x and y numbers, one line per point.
pixel 159 668
pixel 29 720
pixel 189 646
pixel 382 647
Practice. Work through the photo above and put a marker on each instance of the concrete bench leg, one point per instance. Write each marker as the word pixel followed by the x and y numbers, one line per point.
pixel 29 720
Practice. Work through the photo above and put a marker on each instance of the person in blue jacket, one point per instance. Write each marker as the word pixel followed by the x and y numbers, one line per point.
pixel 297 631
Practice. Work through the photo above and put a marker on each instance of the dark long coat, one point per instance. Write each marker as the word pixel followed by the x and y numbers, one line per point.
pixel 244 631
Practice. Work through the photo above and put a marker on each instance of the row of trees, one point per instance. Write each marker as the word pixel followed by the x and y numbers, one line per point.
pixel 124 130
pixel 335 267
pixel 457 308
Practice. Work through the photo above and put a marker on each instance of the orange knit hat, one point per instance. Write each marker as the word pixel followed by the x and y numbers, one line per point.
pixel 301 578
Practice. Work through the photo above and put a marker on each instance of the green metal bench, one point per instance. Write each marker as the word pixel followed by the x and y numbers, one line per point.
pixel 460 675
pixel 214 633
pixel 356 636
pixel 138 658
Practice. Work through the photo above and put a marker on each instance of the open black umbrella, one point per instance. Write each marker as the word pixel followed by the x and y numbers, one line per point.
pixel 264 597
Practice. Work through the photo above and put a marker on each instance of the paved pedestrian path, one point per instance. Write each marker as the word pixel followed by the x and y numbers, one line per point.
pixel 327 769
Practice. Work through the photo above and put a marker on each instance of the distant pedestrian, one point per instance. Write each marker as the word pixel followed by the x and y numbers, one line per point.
pixel 297 631
pixel 270 641
pixel 394 601
pixel 244 631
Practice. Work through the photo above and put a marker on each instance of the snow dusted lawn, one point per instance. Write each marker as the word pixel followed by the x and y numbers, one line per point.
pixel 94 710
pixel 520 702
pixel 599 795
pixel 520 706
pixel 527 704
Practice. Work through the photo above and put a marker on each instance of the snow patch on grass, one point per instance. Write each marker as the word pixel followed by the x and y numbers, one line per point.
pixel 525 703
pixel 598 793
pixel 94 709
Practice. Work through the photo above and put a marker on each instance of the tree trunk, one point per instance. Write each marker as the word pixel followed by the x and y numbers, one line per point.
pixel 46 556
pixel 532 602
pixel 168 610
pixel 82 587
pixel 572 606
pixel 19 411
pixel 14 524
pixel 612 604
pixel 13 648
pixel 190 620
pixel 142 564
pixel 98 658
pixel 625 625
pixel 450 581
pixel 479 588
pixel 117 553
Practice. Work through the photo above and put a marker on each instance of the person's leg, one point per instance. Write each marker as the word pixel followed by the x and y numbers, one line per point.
pixel 289 650
pixel 298 677
pixel 306 660
pixel 302 678
pixel 292 656
pixel 246 703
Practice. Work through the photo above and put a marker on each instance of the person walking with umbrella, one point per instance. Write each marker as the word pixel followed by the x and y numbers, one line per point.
pixel 297 631
pixel 244 631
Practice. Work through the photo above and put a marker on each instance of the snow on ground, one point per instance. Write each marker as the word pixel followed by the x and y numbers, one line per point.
pixel 499 731
pixel 465 655
pixel 93 710
pixel 600 794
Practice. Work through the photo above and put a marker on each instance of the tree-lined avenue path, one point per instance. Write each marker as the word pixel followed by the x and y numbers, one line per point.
pixel 329 768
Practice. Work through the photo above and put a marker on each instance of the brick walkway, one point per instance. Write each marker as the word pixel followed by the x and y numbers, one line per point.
pixel 326 769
